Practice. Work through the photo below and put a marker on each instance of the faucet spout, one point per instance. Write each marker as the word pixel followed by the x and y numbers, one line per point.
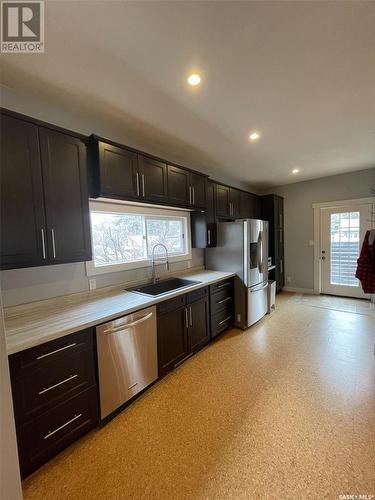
pixel 166 262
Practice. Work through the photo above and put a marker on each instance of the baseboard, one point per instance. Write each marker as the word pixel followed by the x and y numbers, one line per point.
pixel 309 291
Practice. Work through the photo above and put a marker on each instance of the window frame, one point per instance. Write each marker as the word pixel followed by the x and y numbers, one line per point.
pixel 145 211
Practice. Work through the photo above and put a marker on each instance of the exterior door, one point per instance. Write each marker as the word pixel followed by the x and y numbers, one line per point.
pixel 342 232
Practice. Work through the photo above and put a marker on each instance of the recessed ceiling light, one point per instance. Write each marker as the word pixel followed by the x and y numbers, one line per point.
pixel 194 79
pixel 295 171
pixel 254 136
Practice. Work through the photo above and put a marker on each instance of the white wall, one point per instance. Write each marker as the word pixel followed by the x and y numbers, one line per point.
pixel 10 483
pixel 299 227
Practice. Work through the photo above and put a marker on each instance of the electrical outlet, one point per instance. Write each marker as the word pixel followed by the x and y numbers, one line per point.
pixel 311 243
pixel 92 284
pixel 238 316
pixel 288 279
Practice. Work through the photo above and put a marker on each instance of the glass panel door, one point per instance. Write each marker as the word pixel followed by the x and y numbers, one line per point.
pixel 342 233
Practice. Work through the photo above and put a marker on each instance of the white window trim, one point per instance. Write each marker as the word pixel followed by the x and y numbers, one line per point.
pixel 91 270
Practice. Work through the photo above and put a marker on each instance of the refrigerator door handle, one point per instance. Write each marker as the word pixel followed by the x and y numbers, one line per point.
pixel 260 252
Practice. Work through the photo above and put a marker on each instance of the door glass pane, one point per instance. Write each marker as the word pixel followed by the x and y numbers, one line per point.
pixel 344 248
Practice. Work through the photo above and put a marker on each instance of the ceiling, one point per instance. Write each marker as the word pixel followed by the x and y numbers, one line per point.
pixel 302 73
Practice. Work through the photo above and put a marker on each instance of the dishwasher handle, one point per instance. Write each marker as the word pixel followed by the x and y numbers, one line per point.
pixel 128 325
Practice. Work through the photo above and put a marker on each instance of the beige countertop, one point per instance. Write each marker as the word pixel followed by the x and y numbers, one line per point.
pixel 33 324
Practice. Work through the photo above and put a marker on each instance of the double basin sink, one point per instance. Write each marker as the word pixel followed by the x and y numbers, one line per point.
pixel 163 287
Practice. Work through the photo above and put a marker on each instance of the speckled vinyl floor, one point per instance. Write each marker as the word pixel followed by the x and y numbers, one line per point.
pixel 285 410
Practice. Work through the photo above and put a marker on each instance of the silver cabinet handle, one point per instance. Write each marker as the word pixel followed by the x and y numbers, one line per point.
pixel 57 350
pixel 191 317
pixel 224 320
pixel 209 237
pixel 190 198
pixel 143 185
pixel 46 389
pixel 43 245
pixel 224 300
pixel 128 325
pixel 281 266
pixel 193 189
pixel 53 243
pixel 51 433
pixel 137 183
pixel 186 318
pixel 224 284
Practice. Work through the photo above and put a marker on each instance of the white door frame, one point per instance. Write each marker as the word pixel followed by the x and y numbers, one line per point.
pixel 317 235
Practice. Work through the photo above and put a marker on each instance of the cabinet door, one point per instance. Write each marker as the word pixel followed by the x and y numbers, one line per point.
pixel 222 200
pixel 66 197
pixel 118 172
pixel 199 190
pixel 198 332
pixel 22 208
pixel 153 179
pixel 234 200
pixel 178 185
pixel 172 339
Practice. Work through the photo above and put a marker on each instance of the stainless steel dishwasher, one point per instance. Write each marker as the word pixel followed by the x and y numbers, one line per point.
pixel 127 358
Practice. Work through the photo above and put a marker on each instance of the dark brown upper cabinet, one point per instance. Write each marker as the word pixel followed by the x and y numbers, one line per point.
pixel 120 172
pixel 179 185
pixel 250 206
pixel 117 173
pixel 66 197
pixel 198 185
pixel 44 199
pixel 153 179
pixel 203 222
pixel 222 200
pixel 23 224
pixel 234 203
pixel 187 188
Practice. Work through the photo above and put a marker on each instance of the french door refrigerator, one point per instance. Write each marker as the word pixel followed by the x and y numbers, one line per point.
pixel 242 248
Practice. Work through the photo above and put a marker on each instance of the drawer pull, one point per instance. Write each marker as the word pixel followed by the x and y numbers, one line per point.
pixel 51 433
pixel 224 300
pixel 224 284
pixel 224 320
pixel 57 350
pixel 46 389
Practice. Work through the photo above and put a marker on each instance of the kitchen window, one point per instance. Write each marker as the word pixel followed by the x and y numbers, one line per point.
pixel 123 236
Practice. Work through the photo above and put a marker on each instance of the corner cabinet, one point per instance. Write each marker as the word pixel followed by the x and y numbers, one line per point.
pixel 273 212
pixel 44 196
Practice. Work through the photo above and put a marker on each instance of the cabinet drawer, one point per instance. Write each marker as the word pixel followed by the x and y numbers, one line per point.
pixel 46 355
pixel 34 394
pixel 220 299
pixel 55 429
pixel 171 304
pixel 225 304
pixel 225 284
pixel 221 321
pixel 197 295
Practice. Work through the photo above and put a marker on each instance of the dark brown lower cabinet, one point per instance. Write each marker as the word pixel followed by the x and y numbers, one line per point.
pixel 55 396
pixel 221 306
pixel 183 328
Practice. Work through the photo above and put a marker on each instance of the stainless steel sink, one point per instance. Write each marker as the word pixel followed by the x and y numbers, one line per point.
pixel 162 287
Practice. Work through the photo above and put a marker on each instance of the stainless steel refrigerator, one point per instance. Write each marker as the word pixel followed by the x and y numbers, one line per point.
pixel 242 248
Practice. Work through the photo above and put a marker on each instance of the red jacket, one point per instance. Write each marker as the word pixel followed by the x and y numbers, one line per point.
pixel 366 265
